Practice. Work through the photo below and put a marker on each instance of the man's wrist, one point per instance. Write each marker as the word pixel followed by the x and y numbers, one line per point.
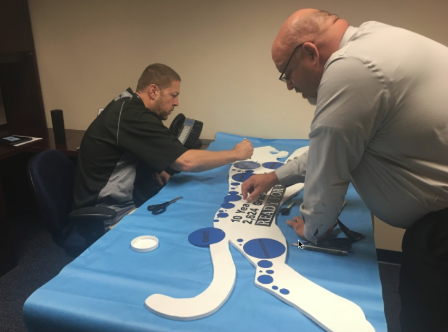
pixel 273 178
pixel 238 155
pixel 234 155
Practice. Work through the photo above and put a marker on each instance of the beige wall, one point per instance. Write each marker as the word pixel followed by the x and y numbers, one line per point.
pixel 89 51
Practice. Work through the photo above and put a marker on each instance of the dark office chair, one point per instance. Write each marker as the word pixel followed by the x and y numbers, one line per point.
pixel 52 177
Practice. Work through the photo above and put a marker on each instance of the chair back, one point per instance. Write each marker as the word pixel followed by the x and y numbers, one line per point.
pixel 52 176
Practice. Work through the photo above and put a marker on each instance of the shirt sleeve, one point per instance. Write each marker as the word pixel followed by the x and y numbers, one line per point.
pixel 144 135
pixel 351 97
pixel 293 171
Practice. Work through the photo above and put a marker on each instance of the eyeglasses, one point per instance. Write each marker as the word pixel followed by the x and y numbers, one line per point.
pixel 282 76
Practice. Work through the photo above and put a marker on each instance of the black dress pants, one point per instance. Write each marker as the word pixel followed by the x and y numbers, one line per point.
pixel 424 275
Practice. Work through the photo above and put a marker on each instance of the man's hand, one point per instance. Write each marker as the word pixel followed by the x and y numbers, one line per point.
pixel 162 178
pixel 299 226
pixel 258 184
pixel 243 150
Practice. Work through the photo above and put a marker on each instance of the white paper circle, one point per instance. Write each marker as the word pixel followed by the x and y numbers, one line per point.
pixel 145 243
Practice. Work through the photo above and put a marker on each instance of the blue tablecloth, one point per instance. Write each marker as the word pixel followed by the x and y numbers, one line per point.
pixel 105 288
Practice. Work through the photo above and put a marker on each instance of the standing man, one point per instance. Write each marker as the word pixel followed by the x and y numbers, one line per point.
pixel 127 154
pixel 381 122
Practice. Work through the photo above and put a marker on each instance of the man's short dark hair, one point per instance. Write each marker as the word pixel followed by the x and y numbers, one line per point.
pixel 158 74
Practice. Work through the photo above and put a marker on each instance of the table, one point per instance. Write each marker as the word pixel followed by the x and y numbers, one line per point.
pixel 8 153
pixel 105 288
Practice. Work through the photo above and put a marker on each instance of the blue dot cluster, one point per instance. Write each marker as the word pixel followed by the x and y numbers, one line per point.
pixel 235 184
pixel 233 196
pixel 266 279
pixel 239 178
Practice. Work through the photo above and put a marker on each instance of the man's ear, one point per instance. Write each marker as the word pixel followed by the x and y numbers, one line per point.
pixel 311 51
pixel 153 91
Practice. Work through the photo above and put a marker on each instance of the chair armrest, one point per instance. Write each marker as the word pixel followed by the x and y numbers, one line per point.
pixel 94 213
pixel 92 221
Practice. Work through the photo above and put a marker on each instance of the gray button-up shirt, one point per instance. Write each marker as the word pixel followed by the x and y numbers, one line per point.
pixel 381 122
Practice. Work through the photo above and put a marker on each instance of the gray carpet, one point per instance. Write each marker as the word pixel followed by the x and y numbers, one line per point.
pixel 40 260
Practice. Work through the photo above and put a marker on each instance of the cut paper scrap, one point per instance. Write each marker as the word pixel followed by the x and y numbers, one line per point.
pixel 252 229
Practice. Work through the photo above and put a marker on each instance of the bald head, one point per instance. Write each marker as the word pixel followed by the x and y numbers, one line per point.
pixel 319 27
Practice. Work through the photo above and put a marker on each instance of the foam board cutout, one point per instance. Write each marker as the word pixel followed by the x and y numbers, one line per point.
pixel 252 229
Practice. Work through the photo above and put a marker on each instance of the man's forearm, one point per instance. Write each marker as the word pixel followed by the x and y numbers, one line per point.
pixel 294 171
pixel 201 160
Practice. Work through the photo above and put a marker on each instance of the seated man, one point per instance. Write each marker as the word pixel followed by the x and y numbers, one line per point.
pixel 127 154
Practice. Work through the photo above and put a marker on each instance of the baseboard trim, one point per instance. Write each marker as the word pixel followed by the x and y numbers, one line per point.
pixel 389 256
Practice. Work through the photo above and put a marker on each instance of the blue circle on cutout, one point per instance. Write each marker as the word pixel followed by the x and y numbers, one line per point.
pixel 272 165
pixel 284 291
pixel 246 165
pixel 240 240
pixel 274 287
pixel 232 198
pixel 264 279
pixel 269 271
pixel 235 183
pixel 206 236
pixel 264 248
pixel 241 177
pixel 227 205
pixel 216 220
pixel 223 215
pixel 265 263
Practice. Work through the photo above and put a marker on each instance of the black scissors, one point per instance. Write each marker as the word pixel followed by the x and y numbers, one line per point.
pixel 160 208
